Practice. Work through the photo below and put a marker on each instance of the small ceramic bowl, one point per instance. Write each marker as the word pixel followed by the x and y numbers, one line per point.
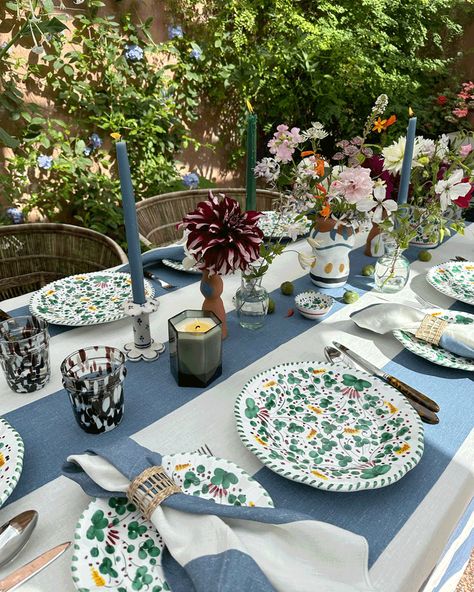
pixel 313 305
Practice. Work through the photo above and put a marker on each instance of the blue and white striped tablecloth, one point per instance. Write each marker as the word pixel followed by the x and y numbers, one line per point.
pixel 406 524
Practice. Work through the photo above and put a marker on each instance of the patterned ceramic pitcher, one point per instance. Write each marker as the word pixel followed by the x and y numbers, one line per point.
pixel 335 240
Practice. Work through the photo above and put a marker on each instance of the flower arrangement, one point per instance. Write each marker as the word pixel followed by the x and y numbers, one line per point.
pixel 221 238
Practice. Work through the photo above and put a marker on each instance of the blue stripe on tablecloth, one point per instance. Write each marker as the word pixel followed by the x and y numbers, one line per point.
pixel 50 433
pixel 462 554
pixel 176 278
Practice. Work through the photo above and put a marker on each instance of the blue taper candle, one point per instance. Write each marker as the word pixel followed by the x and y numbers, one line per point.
pixel 251 182
pixel 131 226
pixel 407 162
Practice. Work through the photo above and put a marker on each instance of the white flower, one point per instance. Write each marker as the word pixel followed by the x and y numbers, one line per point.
pixel 306 260
pixel 315 132
pixel 393 156
pixel 295 229
pixel 378 202
pixel 306 168
pixel 442 146
pixel 451 188
pixel 268 168
pixel 423 147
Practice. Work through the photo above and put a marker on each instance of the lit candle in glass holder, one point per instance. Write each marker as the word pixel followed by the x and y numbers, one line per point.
pixel 195 343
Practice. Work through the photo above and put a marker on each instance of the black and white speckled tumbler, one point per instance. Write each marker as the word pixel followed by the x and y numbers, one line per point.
pixel 24 353
pixel 93 378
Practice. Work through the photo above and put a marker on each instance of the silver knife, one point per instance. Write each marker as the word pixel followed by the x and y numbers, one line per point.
pixel 408 391
pixel 23 574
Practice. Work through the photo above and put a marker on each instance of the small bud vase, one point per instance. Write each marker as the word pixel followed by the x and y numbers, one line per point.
pixel 392 270
pixel 212 287
pixel 251 302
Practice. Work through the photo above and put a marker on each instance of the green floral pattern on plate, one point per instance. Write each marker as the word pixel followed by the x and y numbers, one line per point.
pixel 435 353
pixel 274 224
pixel 455 279
pixel 116 549
pixel 329 426
pixel 11 459
pixel 85 299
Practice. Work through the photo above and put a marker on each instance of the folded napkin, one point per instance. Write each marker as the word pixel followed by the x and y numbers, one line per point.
pixel 457 338
pixel 216 548
pixel 174 253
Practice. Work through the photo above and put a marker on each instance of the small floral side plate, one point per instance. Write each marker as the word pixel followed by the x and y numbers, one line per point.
pixel 85 299
pixel 178 266
pixel 329 426
pixel 11 459
pixel 274 225
pixel 117 549
pixel 455 279
pixel 435 353
pixel 313 305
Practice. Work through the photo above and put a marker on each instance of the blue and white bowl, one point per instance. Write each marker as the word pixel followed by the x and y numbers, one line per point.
pixel 313 305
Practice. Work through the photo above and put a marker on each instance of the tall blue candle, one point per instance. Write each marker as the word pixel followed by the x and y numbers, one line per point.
pixel 407 162
pixel 131 226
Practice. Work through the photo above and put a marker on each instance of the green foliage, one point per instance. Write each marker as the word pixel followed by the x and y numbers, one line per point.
pixel 301 61
pixel 100 90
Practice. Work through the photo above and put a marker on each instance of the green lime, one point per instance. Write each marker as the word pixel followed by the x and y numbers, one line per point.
pixel 424 256
pixel 350 297
pixel 287 288
pixel 271 306
pixel 368 270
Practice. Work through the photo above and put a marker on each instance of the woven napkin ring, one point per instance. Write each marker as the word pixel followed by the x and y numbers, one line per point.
pixel 431 329
pixel 150 488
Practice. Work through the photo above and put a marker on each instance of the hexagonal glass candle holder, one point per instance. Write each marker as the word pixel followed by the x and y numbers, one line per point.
pixel 195 345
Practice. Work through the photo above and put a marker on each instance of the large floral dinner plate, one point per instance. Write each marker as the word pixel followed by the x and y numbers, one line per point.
pixel 329 426
pixel 117 549
pixel 11 459
pixel 435 353
pixel 455 279
pixel 85 299
pixel 275 225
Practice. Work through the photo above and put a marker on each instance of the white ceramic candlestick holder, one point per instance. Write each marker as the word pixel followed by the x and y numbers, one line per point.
pixel 143 347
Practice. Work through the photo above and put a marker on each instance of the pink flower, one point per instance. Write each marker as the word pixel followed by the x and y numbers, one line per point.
pixel 465 150
pixel 460 112
pixel 284 142
pixel 221 237
pixel 355 184
pixel 464 95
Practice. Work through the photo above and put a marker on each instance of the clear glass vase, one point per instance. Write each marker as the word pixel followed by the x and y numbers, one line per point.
pixel 251 303
pixel 392 270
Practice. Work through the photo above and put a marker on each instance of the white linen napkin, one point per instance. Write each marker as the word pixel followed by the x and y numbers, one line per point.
pixel 384 318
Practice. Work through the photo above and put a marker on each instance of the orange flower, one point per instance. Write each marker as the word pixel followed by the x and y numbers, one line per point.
pixel 307 153
pixel 390 121
pixel 379 125
pixel 325 210
pixel 321 188
pixel 319 167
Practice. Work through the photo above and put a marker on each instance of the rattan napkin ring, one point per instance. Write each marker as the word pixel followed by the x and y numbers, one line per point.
pixel 150 488
pixel 431 329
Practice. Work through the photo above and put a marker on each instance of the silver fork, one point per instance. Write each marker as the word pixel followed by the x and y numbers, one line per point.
pixel 163 284
pixel 204 449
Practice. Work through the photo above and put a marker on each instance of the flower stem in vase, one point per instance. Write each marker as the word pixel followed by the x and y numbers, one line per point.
pixel 211 288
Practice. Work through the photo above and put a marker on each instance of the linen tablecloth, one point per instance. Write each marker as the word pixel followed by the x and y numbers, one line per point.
pixel 406 525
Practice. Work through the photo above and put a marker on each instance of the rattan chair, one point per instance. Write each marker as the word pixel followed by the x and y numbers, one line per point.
pixel 159 216
pixel 32 255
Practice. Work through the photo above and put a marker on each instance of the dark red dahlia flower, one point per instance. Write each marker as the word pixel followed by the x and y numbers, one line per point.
pixel 221 237
pixel 463 202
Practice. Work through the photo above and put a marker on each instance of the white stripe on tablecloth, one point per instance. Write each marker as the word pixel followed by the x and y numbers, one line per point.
pixel 443 565
pixel 409 558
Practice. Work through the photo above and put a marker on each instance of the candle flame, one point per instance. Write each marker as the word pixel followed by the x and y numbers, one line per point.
pixel 115 136
pixel 410 112
pixel 249 106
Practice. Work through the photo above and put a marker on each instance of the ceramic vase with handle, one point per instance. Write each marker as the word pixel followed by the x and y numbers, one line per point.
pixel 211 288
pixel 335 240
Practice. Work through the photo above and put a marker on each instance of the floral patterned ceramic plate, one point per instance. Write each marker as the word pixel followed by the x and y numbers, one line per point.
pixel 178 266
pixel 329 426
pixel 455 279
pixel 11 459
pixel 117 549
pixel 275 225
pixel 85 299
pixel 435 353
